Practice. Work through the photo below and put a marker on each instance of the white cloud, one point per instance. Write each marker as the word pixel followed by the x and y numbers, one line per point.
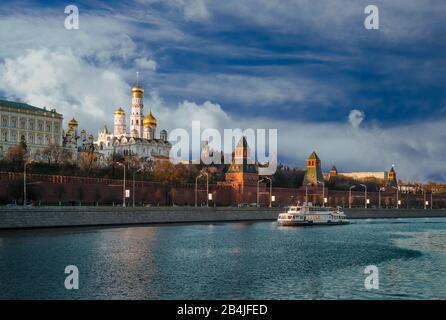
pixel 146 64
pixel 77 72
pixel 252 91
pixel 355 118
pixel 66 82
pixel 194 10
pixel 211 115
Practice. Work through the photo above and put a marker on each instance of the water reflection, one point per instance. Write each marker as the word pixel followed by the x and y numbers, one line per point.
pixel 228 261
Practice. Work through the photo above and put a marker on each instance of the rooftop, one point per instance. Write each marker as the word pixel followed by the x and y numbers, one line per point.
pixel 22 106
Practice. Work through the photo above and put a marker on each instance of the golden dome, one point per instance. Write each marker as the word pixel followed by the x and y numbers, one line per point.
pixel 73 123
pixel 149 120
pixel 120 112
pixel 137 88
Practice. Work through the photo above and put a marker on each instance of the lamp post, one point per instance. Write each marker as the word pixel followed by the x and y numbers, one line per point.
pixel 379 196
pixel 350 196
pixel 407 199
pixel 323 192
pixel 365 195
pixel 432 200
pixel 424 199
pixel 133 187
pixel 397 197
pixel 24 180
pixel 207 188
pixel 123 188
pixel 306 192
pixel 258 191
pixel 270 190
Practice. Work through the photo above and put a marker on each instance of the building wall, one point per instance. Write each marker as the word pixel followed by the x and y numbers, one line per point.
pixel 364 175
pixel 40 128
pixel 52 189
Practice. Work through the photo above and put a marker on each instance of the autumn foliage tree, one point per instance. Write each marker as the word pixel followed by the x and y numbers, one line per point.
pixel 16 154
pixel 55 154
pixel 88 160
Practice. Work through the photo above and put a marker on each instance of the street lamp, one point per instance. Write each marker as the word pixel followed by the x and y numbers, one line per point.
pixel 133 187
pixel 123 187
pixel 432 200
pixel 306 192
pixel 350 196
pixel 379 196
pixel 397 197
pixel 323 192
pixel 365 195
pixel 270 190
pixel 27 162
pixel 207 188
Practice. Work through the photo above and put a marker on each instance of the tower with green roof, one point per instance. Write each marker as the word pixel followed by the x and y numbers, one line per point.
pixel 313 173
pixel 391 178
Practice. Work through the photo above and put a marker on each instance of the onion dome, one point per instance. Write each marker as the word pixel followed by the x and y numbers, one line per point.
pixel 73 123
pixel 90 137
pixel 137 88
pixel 120 112
pixel 83 131
pixel 150 120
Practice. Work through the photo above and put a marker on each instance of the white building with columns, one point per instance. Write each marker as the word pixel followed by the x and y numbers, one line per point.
pixel 37 127
pixel 141 140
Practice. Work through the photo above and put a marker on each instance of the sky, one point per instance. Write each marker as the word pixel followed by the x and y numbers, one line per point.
pixel 364 100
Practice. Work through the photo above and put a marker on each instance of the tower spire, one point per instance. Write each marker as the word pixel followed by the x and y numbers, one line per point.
pixel 137 78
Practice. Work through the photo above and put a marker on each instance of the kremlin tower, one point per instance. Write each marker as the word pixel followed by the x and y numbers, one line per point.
pixel 391 180
pixel 313 174
pixel 137 117
pixel 243 171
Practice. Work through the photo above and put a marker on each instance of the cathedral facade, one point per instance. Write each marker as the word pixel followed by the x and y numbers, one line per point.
pixel 140 140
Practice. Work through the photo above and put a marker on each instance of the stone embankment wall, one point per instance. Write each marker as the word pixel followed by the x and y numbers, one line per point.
pixel 44 217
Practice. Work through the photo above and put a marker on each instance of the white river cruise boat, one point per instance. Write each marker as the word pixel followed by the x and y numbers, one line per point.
pixel 307 215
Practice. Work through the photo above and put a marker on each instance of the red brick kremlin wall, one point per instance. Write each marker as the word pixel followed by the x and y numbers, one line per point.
pixel 67 189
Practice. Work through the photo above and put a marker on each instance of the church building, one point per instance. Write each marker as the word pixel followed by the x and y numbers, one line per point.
pixel 141 140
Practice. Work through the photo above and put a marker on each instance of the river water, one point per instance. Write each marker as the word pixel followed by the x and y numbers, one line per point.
pixel 228 261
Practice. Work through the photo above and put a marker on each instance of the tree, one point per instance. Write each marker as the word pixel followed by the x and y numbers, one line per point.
pixel 88 160
pixel 55 154
pixel 164 172
pixel 16 154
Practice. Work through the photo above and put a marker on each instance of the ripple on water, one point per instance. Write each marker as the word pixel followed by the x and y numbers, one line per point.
pixel 229 261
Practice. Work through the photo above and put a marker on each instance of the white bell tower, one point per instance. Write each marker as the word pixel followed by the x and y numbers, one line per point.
pixel 137 116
